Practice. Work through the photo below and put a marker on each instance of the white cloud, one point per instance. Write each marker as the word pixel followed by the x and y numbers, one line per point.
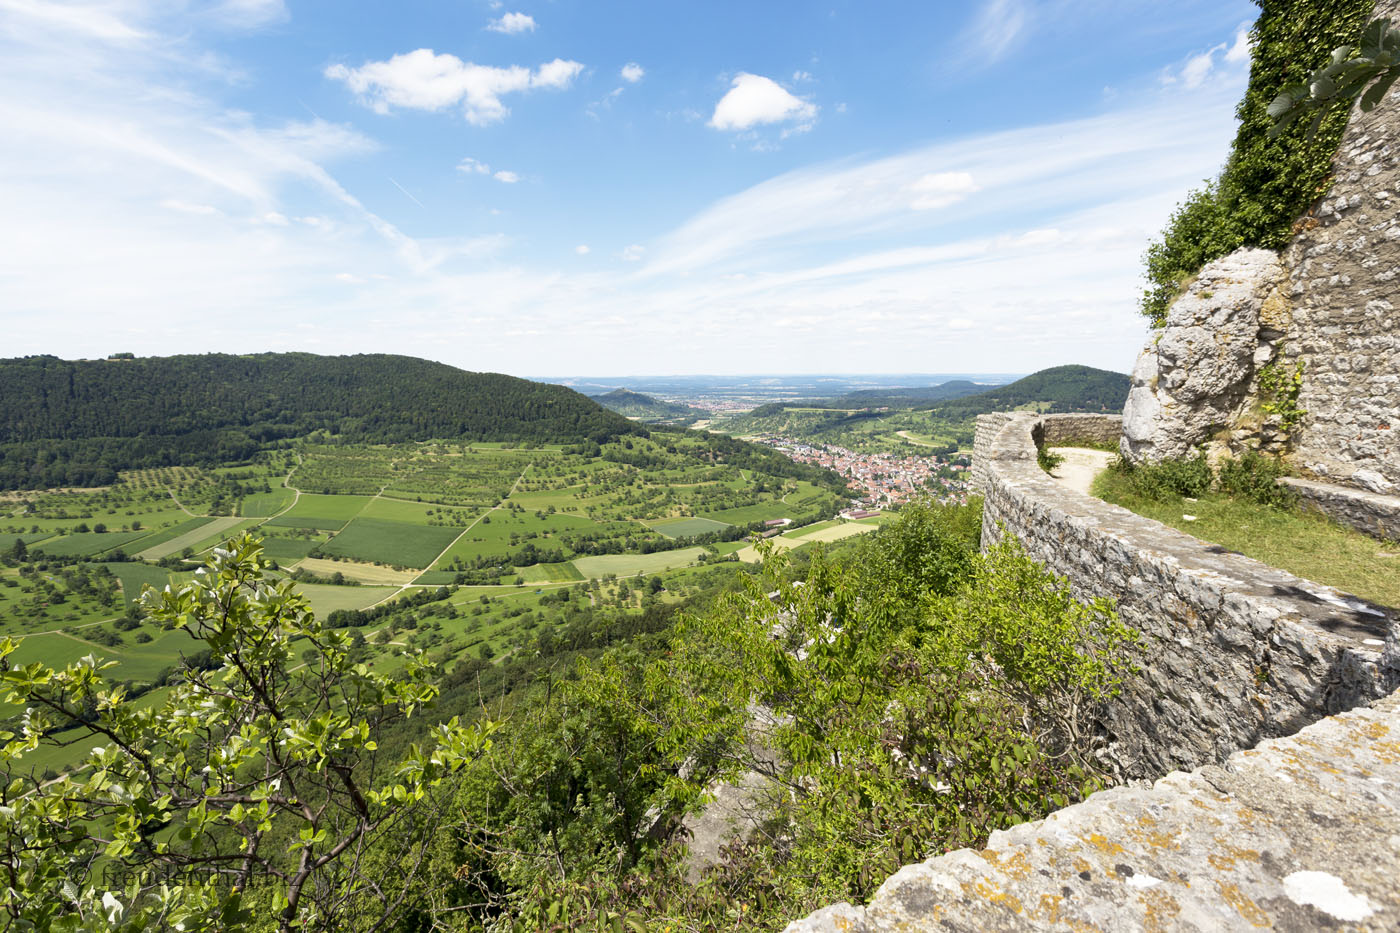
pixel 753 100
pixel 940 189
pixel 1223 61
pixel 801 76
pixel 425 80
pixel 582 249
pixel 632 253
pixel 513 23
pixel 1240 49
pixel 506 177
pixel 825 267
pixel 632 72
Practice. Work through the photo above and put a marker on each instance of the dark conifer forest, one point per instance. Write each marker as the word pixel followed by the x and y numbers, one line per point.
pixel 76 423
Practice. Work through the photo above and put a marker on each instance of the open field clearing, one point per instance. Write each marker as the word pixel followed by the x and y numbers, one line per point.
pixel 501 535
pixel 828 533
pixel 264 504
pixel 326 598
pixel 355 570
pixel 170 532
pixel 417 513
pixel 89 544
pixel 201 532
pixel 317 511
pixel 281 548
pixel 396 543
pixel 218 536
pixel 628 565
pixel 686 527
pixel 551 573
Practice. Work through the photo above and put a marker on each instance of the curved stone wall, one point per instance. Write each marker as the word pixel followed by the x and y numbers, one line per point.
pixel 1241 666
pixel 1233 651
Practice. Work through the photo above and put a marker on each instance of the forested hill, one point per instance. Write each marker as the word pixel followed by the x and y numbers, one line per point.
pixel 644 407
pixel 907 397
pixel 1060 388
pixel 77 422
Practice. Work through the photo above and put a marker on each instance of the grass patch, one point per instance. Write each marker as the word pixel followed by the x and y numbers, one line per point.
pixel 687 527
pixel 551 573
pixel 199 532
pixel 1303 543
pixel 264 504
pixel 326 598
pixel 88 544
pixel 396 543
pixel 627 565
pixel 288 549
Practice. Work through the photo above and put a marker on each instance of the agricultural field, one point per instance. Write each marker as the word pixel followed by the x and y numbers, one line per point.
pixel 687 527
pixel 470 552
pixel 398 544
pixel 897 431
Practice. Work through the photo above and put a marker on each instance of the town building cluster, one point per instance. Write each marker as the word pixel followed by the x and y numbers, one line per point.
pixel 881 480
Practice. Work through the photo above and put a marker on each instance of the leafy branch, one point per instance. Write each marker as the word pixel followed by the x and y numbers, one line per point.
pixel 1368 74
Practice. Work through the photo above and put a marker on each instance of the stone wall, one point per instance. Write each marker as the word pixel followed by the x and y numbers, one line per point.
pixel 1344 268
pixel 1219 372
pixel 1278 692
pixel 1233 651
pixel 1301 833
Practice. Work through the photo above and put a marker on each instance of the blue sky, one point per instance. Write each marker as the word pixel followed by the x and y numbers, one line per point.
pixel 603 188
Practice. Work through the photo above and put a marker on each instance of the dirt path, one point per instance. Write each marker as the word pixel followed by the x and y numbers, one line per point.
pixel 1080 467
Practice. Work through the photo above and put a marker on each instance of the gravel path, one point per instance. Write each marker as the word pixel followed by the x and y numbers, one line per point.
pixel 1081 466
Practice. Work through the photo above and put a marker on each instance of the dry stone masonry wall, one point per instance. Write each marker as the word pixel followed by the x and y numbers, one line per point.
pixel 1344 269
pixel 1327 312
pixel 1233 651
pixel 1277 691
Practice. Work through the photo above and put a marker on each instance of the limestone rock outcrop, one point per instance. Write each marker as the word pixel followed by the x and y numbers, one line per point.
pixel 1195 378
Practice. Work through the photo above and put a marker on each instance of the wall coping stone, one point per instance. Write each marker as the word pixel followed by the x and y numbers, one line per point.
pixel 1325 609
pixel 1299 833
pixel 1369 512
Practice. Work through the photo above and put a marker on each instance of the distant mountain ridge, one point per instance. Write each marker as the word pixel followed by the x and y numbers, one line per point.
pixel 638 405
pixel 66 422
pixel 896 398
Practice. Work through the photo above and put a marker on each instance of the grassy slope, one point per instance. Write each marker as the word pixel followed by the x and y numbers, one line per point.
pixel 1303 543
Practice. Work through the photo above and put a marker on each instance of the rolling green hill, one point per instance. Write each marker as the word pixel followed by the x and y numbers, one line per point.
pixel 1059 388
pixel 66 422
pixel 645 408
pixel 907 397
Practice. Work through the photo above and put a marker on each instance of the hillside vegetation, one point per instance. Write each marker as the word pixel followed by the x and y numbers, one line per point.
pixel 1057 389
pixel 643 407
pixel 78 423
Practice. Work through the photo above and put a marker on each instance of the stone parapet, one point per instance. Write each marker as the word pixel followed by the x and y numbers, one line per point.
pixel 1369 512
pixel 1232 651
pixel 1299 833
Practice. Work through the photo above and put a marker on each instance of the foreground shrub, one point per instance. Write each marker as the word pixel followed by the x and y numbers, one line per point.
pixel 1168 479
pixel 1254 476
